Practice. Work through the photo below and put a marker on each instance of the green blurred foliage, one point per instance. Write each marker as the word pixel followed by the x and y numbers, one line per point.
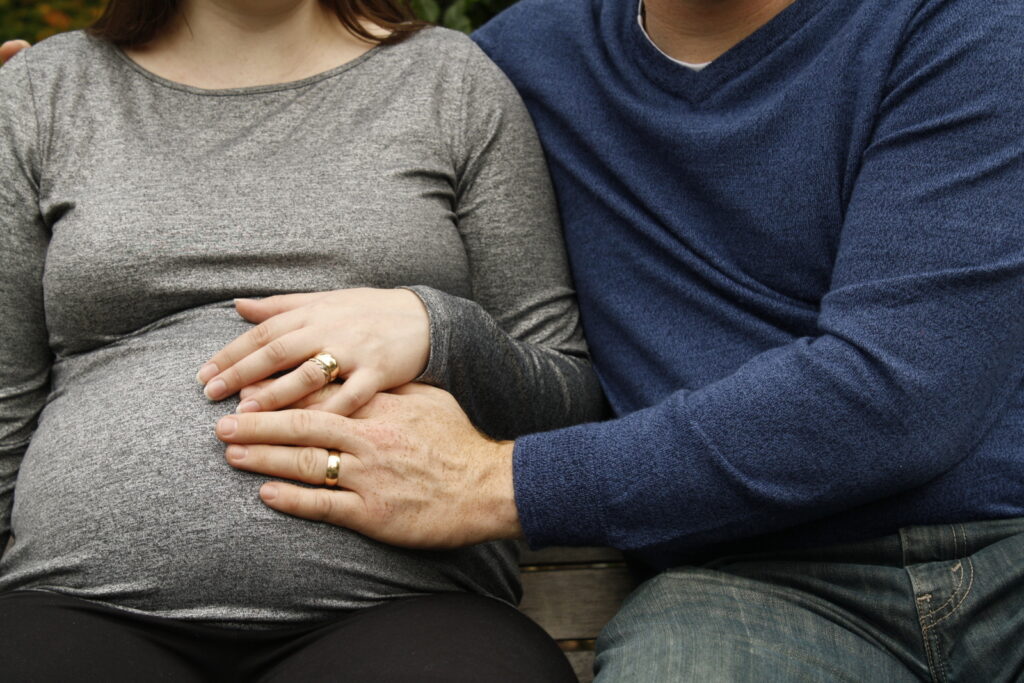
pixel 461 15
pixel 33 20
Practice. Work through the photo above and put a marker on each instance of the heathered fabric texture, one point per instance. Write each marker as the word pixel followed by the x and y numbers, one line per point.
pixel 800 272
pixel 133 210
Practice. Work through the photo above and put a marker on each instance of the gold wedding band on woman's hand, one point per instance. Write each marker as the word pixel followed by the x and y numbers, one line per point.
pixel 328 364
pixel 333 463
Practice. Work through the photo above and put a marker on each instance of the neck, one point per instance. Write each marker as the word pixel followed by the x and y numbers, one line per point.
pixel 702 30
pixel 240 43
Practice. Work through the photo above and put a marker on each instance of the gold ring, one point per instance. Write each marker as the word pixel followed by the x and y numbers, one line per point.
pixel 333 462
pixel 328 364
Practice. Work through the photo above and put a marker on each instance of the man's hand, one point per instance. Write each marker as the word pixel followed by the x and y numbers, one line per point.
pixel 11 48
pixel 413 471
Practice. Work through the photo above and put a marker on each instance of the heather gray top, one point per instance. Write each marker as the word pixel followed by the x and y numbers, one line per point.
pixel 133 209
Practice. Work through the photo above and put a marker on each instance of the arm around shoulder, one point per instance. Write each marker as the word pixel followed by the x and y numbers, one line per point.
pixel 514 356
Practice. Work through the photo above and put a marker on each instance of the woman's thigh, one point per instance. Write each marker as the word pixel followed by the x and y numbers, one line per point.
pixel 450 637
pixel 48 637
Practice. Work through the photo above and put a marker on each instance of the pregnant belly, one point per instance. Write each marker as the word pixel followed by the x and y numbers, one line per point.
pixel 124 496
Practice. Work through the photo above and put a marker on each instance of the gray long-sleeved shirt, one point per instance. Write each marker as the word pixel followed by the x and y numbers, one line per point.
pixel 132 211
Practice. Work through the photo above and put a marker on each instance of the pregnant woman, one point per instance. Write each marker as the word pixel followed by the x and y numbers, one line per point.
pixel 185 154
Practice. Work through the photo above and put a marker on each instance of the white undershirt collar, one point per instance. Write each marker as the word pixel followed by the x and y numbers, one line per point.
pixel 640 20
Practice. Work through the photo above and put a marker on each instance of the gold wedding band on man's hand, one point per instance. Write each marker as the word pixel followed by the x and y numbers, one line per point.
pixel 327 364
pixel 333 463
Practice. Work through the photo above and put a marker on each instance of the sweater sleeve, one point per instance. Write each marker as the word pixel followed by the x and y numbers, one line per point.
pixel 920 339
pixel 24 352
pixel 514 356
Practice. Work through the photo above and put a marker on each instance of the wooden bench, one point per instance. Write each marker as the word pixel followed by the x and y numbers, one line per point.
pixel 572 593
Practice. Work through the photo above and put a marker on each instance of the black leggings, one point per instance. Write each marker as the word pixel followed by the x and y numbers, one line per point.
pixel 449 637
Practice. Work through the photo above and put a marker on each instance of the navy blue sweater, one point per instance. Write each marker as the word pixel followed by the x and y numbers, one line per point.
pixel 801 272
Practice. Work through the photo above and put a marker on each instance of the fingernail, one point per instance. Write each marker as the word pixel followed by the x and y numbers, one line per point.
pixel 206 373
pixel 215 389
pixel 226 426
pixel 245 300
pixel 248 407
pixel 236 453
pixel 268 491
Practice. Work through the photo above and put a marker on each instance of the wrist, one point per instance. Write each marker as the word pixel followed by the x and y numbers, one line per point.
pixel 501 513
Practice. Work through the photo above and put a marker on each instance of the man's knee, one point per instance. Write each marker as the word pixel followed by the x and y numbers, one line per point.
pixel 672 628
pixel 692 624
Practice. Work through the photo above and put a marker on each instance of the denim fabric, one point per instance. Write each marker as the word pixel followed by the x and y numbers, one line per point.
pixel 938 603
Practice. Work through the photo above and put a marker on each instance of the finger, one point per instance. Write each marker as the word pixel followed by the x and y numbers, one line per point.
pixel 246 392
pixel 294 428
pixel 356 392
pixel 416 388
pixel 315 400
pixel 11 48
pixel 286 351
pixel 311 401
pixel 258 310
pixel 307 464
pixel 341 508
pixel 285 391
pixel 259 336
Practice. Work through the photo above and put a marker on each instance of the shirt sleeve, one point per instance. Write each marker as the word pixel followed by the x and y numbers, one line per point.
pixel 24 352
pixel 514 356
pixel 920 342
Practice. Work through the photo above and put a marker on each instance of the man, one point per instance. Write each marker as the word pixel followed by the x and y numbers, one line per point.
pixel 800 271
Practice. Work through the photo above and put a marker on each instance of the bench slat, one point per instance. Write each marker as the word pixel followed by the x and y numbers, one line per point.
pixel 574 604
pixel 566 555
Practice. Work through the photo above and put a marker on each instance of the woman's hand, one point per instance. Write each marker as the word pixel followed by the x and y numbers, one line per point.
pixel 412 469
pixel 11 48
pixel 380 338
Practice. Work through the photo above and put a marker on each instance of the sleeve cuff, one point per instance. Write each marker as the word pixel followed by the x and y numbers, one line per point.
pixel 557 494
pixel 441 313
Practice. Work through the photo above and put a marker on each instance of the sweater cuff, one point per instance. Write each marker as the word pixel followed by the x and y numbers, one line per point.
pixel 557 495
pixel 442 315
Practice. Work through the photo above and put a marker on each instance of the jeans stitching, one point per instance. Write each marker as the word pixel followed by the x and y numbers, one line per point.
pixel 967 592
pixel 937 665
pixel 929 651
pixel 952 597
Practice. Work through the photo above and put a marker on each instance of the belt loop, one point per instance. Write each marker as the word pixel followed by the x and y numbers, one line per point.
pixel 904 546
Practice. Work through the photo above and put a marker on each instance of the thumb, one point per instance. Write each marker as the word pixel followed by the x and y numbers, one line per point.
pixel 11 48
pixel 258 310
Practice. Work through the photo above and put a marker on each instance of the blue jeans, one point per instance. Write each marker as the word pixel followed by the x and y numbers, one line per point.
pixel 940 603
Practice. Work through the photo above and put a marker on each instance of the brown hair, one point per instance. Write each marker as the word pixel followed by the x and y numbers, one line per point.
pixel 136 22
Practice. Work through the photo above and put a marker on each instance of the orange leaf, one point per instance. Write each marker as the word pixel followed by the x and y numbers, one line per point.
pixel 57 20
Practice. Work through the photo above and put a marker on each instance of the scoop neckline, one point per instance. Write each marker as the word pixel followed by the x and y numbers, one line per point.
pixel 247 90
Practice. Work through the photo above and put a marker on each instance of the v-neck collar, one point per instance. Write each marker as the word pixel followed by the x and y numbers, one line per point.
pixel 697 85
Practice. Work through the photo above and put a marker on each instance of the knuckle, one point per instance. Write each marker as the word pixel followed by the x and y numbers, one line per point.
pixel 232 377
pixel 277 351
pixel 261 334
pixel 301 421
pixel 323 505
pixel 308 461
pixel 269 398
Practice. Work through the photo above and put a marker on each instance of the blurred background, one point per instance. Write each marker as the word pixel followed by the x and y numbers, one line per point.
pixel 34 20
